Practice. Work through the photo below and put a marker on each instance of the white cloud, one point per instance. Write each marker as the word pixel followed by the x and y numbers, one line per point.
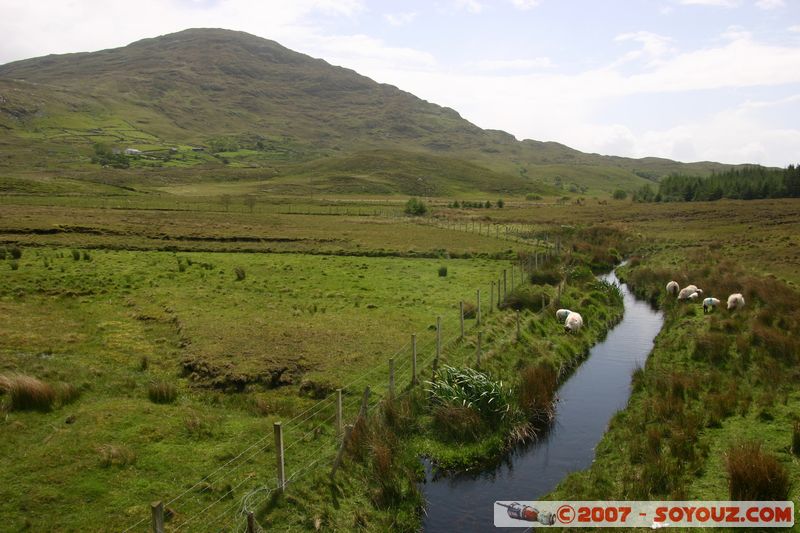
pixel 525 4
pixel 400 19
pixel 653 46
pixel 715 3
pixel 514 64
pixel 770 4
pixel 473 6
pixel 735 33
pixel 795 28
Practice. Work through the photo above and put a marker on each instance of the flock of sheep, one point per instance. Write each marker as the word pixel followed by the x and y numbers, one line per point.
pixel 692 293
pixel 573 321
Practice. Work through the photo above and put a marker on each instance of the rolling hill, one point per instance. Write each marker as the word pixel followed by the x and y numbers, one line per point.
pixel 210 102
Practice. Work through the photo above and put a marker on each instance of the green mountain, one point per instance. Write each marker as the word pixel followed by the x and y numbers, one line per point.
pixel 211 102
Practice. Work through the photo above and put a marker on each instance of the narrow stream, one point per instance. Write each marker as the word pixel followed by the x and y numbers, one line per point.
pixel 587 401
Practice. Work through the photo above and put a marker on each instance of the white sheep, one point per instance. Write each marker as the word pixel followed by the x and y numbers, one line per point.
pixel 673 288
pixel 735 301
pixel 694 296
pixel 562 314
pixel 709 304
pixel 687 292
pixel 573 323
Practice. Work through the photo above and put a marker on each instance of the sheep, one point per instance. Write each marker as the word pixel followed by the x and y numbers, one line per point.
pixel 673 288
pixel 735 301
pixel 694 296
pixel 687 292
pixel 709 304
pixel 562 314
pixel 573 323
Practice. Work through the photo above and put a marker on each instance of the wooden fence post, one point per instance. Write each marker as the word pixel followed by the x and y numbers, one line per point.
pixel 505 282
pixel 461 306
pixel 364 403
pixel 491 298
pixel 251 522
pixel 391 377
pixel 347 430
pixel 157 510
pixel 478 350
pixel 499 300
pixel 338 411
pixel 438 343
pixel 413 359
pixel 279 455
pixel 478 315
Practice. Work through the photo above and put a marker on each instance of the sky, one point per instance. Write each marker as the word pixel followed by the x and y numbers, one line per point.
pixel 690 80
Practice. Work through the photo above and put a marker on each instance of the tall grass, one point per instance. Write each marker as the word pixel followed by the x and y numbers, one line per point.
pixel 162 392
pixel 27 393
pixel 754 474
pixel 536 391
pixel 470 388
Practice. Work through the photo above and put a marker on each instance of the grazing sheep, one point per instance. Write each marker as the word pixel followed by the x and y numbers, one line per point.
pixel 687 292
pixel 735 301
pixel 694 296
pixel 673 288
pixel 562 314
pixel 573 323
pixel 709 304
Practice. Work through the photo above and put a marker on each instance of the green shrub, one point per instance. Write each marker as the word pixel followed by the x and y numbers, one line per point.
pixel 415 207
pixel 754 474
pixel 550 276
pixel 619 194
pixel 240 274
pixel 15 252
pixel 14 264
pixel 76 255
pixel 442 271
pixel 500 203
pixel 796 438
pixel 86 256
pixel 27 393
pixel 525 297
pixel 162 392
pixel 470 310
pixel 472 389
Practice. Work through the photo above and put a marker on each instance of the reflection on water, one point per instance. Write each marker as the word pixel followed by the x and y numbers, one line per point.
pixel 587 401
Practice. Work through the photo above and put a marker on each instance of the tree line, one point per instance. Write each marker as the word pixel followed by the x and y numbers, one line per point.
pixel 746 183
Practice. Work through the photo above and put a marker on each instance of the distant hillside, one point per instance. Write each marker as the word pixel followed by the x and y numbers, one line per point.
pixel 225 100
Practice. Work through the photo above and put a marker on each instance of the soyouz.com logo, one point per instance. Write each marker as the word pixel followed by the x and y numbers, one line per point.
pixel 652 514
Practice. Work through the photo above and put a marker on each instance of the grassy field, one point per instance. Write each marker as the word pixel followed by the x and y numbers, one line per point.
pixel 174 339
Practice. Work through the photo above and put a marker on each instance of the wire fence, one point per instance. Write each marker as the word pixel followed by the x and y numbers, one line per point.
pixel 313 424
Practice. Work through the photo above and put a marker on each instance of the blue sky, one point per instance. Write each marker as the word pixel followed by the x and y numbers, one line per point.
pixel 685 79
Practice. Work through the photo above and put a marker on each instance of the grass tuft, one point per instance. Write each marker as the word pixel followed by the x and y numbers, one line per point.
pixel 162 392
pixel 754 474
pixel 27 393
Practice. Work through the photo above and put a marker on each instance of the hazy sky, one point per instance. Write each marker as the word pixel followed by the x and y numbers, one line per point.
pixel 685 79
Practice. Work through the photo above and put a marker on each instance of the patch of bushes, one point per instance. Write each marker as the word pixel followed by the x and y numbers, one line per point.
pixel 15 252
pixel 76 255
pixel 470 388
pixel 239 272
pixel 525 297
pixel 415 207
pixel 442 271
pixel 162 392
pixel 27 393
pixel 550 276
pixel 754 474
pixel 14 264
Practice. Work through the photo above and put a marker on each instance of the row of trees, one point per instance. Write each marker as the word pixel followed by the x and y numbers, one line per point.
pixel 747 183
